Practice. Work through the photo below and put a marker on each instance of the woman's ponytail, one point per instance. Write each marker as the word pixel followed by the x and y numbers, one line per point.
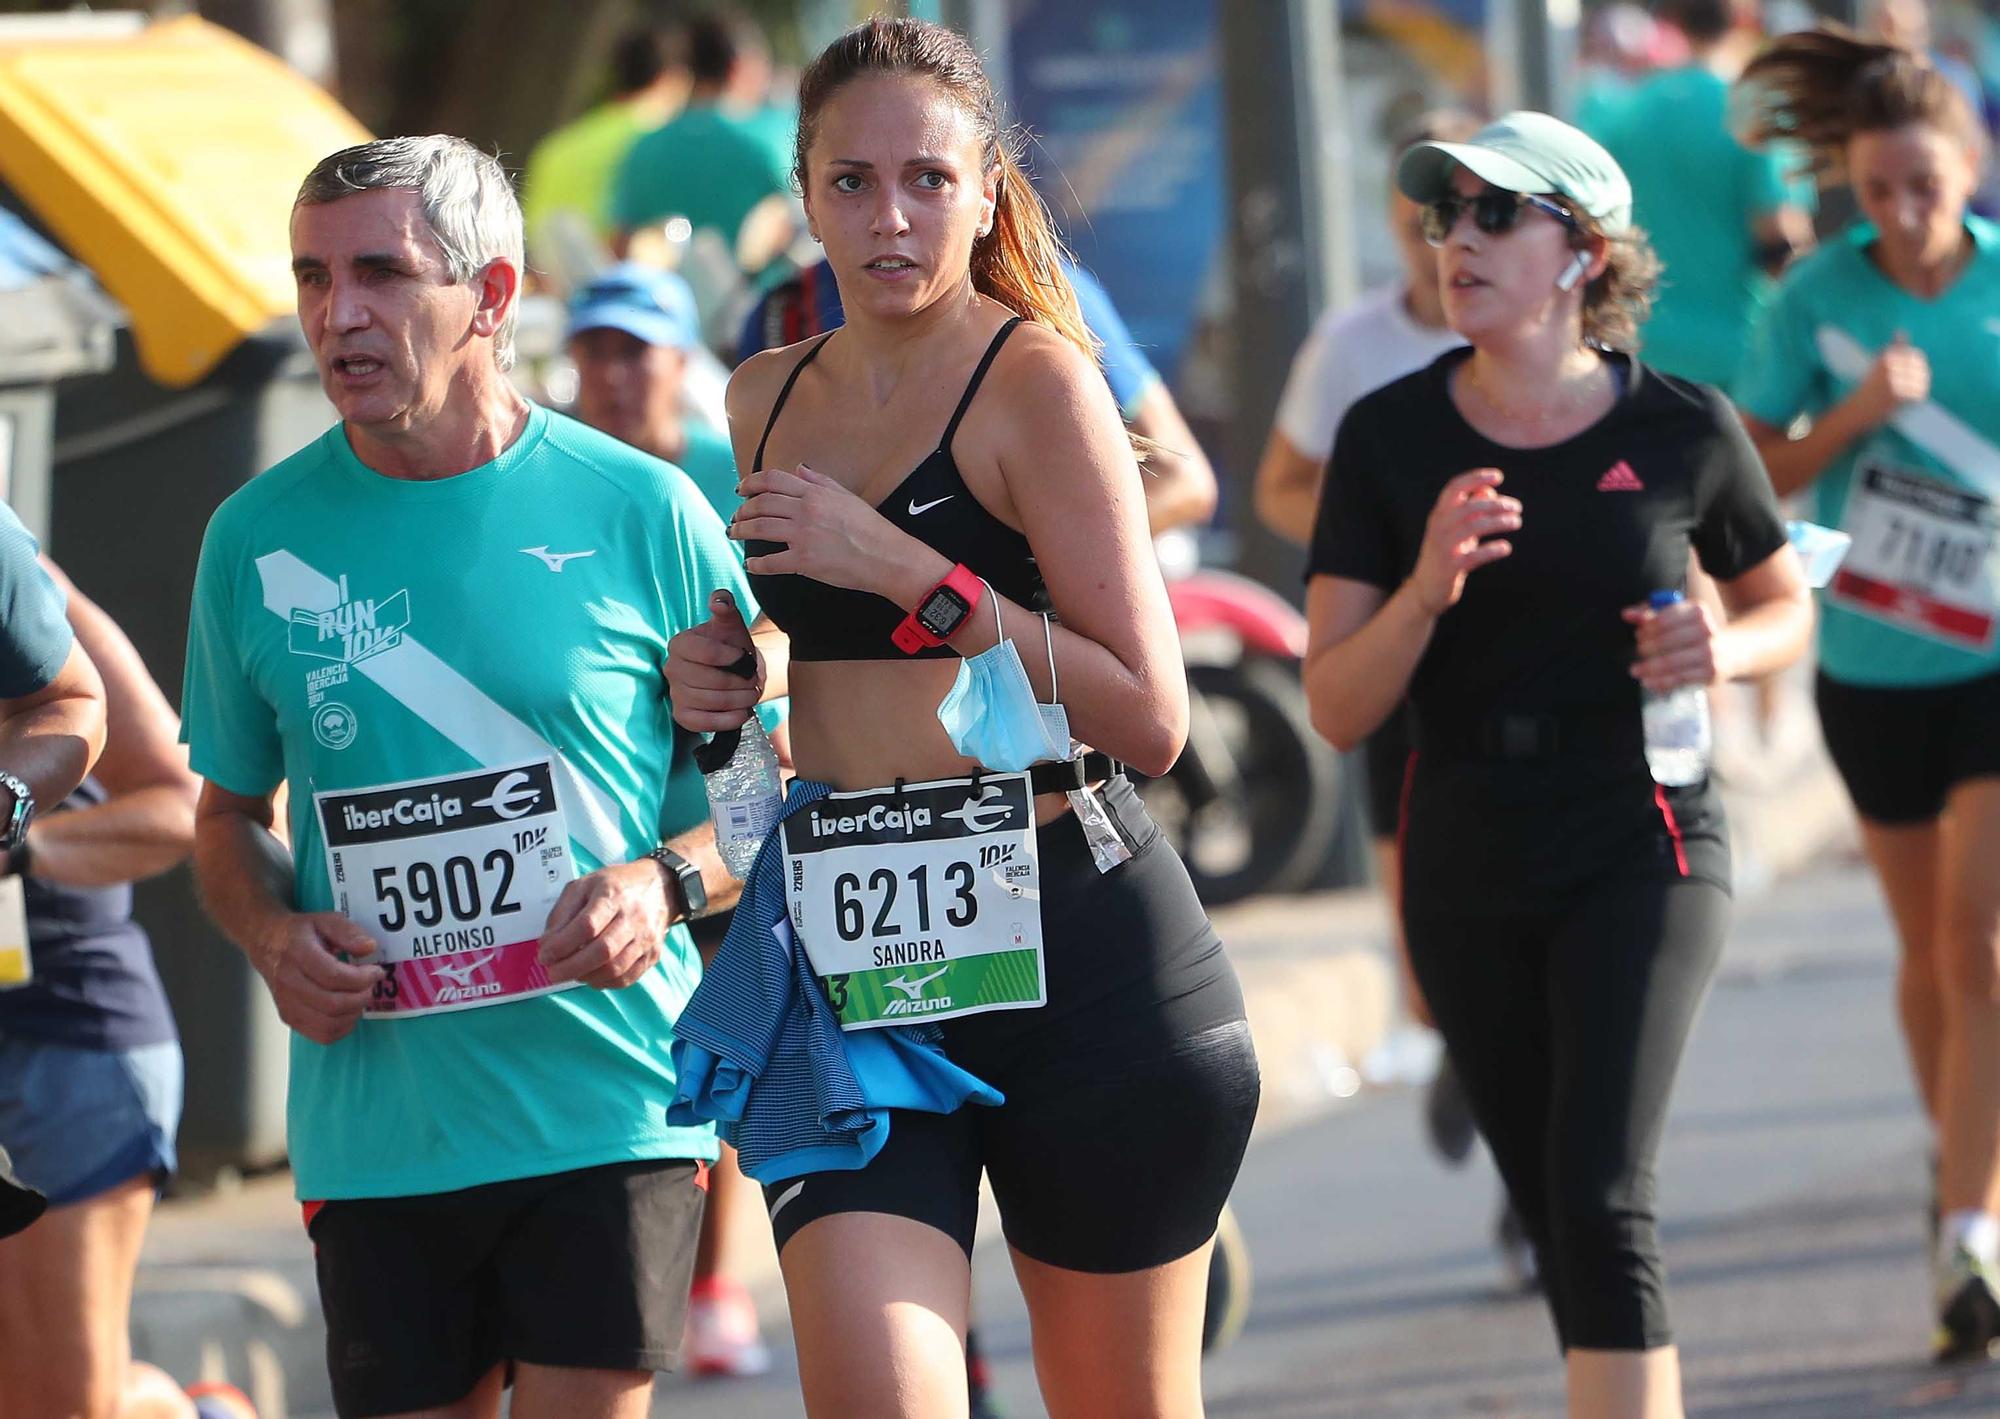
pixel 1821 87
pixel 1020 262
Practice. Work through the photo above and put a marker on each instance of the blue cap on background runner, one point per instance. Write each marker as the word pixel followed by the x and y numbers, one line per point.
pixel 1526 152
pixel 643 301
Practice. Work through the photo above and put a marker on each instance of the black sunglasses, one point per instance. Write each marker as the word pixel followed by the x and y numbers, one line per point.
pixel 1494 212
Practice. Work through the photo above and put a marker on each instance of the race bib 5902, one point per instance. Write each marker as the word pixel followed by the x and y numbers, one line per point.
pixel 454 877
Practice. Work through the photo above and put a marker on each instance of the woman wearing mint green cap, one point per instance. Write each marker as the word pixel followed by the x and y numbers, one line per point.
pixel 1889 343
pixel 1491 532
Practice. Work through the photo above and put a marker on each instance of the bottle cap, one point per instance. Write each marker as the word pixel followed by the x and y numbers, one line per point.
pixel 1661 600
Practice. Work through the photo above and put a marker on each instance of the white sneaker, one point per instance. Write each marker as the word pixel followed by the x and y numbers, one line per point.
pixel 722 1339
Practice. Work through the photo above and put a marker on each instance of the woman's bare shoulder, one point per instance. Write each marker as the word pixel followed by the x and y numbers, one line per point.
pixel 753 387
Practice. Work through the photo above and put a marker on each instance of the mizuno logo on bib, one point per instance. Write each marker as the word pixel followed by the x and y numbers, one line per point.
pixel 454 877
pixel 920 903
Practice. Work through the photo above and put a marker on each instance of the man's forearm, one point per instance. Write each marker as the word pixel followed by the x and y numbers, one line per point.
pixel 697 845
pixel 246 880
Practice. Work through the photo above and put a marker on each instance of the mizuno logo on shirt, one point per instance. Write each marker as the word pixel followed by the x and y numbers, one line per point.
pixel 555 561
pixel 1620 479
pixel 917 509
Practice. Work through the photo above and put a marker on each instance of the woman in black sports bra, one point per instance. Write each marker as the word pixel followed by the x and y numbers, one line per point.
pixel 959 418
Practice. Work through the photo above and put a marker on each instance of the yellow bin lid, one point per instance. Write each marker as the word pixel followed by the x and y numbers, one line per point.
pixel 165 157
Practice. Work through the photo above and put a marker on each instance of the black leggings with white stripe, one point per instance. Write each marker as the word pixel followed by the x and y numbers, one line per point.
pixel 1566 1025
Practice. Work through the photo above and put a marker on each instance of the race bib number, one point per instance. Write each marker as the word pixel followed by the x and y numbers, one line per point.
pixel 1923 556
pixel 454 877
pixel 922 903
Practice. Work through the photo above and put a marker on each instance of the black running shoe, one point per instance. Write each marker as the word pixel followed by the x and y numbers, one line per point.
pixel 1968 1299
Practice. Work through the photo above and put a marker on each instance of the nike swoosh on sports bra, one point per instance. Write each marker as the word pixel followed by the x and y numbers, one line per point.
pixel 933 505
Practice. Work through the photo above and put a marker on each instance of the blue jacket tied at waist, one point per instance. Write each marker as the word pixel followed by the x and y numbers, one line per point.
pixel 760 1051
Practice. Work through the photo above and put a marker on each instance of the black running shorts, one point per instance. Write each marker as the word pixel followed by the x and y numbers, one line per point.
pixel 585 1270
pixel 1129 1096
pixel 1903 750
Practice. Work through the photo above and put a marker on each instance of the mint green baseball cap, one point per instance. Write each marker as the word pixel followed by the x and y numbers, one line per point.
pixel 1526 152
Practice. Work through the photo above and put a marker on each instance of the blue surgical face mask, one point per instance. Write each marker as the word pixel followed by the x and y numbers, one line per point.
pixel 991 712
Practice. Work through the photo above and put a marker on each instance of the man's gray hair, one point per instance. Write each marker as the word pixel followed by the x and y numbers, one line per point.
pixel 464 194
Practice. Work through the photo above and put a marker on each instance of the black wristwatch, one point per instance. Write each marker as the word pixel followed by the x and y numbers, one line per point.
pixel 694 896
pixel 14 826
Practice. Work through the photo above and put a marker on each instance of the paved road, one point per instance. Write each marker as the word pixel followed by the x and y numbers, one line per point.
pixel 1793 1194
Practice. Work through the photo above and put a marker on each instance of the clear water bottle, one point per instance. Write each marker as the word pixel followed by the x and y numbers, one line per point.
pixel 746 795
pixel 1678 739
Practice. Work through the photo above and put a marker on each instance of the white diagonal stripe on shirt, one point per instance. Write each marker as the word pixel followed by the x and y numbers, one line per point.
pixel 451 704
pixel 1936 431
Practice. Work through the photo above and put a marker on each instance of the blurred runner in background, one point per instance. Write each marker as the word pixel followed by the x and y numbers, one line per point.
pixel 90 1060
pixel 569 174
pixel 1723 219
pixel 1885 341
pixel 727 151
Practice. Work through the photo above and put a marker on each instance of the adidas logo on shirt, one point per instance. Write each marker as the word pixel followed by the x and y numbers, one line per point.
pixel 1620 479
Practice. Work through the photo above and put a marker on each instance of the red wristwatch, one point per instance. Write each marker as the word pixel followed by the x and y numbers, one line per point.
pixel 942 611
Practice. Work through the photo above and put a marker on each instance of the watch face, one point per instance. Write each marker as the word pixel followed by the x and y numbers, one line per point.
pixel 942 612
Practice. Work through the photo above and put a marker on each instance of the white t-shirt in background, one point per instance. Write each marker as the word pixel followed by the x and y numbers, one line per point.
pixel 1351 352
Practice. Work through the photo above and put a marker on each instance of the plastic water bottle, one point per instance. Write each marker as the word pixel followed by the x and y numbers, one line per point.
pixel 1678 738
pixel 746 795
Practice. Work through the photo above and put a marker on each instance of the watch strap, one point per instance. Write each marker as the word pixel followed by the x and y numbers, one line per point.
pixel 912 635
pixel 14 823
pixel 686 878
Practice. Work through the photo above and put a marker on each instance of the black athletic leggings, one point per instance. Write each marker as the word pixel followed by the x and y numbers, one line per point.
pixel 1567 1025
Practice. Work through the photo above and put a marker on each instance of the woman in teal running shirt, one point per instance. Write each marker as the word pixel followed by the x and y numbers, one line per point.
pixel 1889 343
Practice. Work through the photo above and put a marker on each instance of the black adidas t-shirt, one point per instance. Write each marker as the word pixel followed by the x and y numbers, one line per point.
pixel 1607 518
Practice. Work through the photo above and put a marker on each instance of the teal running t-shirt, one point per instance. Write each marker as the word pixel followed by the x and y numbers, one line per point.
pixel 1697 193
pixel 1917 602
pixel 351 631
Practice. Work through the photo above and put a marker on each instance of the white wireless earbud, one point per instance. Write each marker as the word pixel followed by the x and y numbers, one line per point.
pixel 1573 272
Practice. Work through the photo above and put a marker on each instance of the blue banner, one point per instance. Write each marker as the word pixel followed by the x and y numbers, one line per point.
pixel 1125 98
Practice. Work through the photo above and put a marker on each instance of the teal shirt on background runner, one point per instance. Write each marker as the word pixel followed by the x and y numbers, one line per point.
pixel 708 165
pixel 1697 192
pixel 518 610
pixel 1913 603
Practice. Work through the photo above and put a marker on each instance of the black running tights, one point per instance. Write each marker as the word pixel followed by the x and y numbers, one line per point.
pixel 1566 1025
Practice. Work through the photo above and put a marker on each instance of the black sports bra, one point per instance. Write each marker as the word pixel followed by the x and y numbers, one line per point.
pixel 933 505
